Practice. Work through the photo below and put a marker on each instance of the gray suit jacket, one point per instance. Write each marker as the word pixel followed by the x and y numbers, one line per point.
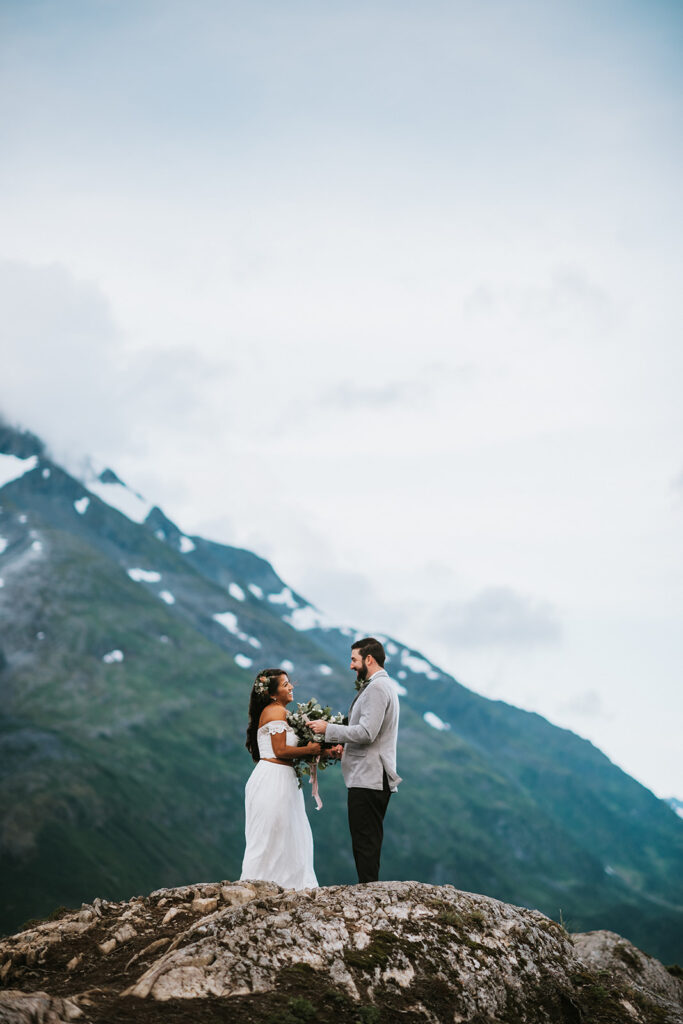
pixel 370 737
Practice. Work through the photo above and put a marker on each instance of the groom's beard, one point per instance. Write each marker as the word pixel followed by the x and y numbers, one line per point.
pixel 361 674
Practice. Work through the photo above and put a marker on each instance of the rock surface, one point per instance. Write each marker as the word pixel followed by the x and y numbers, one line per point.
pixel 380 952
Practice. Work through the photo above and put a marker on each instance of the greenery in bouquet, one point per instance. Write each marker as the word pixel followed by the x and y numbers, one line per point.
pixel 299 721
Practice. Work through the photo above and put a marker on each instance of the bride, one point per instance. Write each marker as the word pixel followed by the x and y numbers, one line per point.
pixel 279 839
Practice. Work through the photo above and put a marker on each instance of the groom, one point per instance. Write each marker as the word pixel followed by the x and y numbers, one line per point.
pixel 369 758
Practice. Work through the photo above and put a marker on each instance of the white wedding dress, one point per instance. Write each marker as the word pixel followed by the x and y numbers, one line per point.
pixel 279 839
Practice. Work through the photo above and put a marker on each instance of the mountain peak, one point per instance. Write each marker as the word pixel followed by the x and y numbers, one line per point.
pixel 20 443
pixel 108 476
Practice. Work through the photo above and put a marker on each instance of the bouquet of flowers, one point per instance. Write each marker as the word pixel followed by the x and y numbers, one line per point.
pixel 299 721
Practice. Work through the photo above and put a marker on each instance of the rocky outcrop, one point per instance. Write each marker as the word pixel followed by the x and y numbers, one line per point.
pixel 386 951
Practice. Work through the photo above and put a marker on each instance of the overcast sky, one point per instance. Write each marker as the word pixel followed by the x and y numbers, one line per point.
pixel 389 293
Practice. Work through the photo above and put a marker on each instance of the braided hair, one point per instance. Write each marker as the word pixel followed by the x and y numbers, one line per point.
pixel 264 689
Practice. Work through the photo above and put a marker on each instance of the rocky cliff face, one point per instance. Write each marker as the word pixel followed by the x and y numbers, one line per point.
pixel 382 952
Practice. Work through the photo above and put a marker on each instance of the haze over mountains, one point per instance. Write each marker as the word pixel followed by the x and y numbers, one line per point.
pixel 127 651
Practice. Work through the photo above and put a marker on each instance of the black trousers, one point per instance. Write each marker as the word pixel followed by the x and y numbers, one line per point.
pixel 367 808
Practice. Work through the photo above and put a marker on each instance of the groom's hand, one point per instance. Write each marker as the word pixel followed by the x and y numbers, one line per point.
pixel 318 727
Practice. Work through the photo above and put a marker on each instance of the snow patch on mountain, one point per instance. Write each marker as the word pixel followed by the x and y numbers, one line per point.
pixel 81 505
pixel 435 722
pixel 4 543
pixel 228 620
pixel 325 670
pixel 144 575
pixel 284 597
pixel 236 591
pixel 186 545
pixel 286 665
pixel 112 657
pixel 676 805
pixel 167 596
pixel 12 467
pixel 400 690
pixel 120 497
pixel 256 591
pixel 243 661
pixel 418 665
pixel 306 618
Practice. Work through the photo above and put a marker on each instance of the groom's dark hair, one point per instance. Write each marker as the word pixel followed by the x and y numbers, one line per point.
pixel 370 646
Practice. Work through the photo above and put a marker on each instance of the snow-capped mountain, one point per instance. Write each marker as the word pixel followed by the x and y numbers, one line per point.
pixel 127 652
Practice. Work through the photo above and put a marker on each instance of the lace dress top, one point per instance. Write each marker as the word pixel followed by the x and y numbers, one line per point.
pixel 265 743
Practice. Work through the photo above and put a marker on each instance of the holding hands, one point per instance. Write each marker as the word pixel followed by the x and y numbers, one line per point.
pixel 319 727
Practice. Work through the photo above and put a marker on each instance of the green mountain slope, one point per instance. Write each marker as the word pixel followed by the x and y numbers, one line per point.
pixel 122 761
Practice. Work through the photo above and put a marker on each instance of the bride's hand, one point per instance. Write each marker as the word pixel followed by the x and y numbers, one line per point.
pixel 314 748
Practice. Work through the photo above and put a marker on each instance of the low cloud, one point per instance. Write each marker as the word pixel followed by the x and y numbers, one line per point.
pixel 586 704
pixel 69 376
pixel 498 617
pixel 570 295
pixel 59 349
pixel 349 395
pixel 384 394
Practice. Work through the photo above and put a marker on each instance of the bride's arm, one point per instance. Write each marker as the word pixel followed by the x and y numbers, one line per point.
pixel 282 751
pixel 279 738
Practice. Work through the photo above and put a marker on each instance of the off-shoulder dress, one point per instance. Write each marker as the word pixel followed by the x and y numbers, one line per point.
pixel 279 842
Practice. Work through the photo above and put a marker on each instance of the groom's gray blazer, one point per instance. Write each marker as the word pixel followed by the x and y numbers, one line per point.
pixel 370 737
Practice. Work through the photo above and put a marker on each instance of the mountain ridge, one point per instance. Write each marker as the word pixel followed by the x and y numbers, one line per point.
pixel 506 802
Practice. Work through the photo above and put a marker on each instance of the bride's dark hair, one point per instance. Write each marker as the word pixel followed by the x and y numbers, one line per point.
pixel 263 690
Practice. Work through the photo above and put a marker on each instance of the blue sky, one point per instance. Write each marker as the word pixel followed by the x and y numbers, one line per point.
pixel 389 293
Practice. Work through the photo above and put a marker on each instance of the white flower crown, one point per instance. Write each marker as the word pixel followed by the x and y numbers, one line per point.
pixel 261 685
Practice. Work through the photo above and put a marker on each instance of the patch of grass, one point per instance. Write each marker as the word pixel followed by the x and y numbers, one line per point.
pixel 548 925
pixel 600 1000
pixel 626 954
pixel 339 1000
pixel 565 925
pixel 55 915
pixel 652 1013
pixel 300 976
pixel 449 917
pixel 447 914
pixel 369 1015
pixel 376 954
pixel 675 970
pixel 297 1011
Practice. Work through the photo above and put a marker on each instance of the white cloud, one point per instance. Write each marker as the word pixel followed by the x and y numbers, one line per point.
pixel 71 377
pixel 586 704
pixel 498 617
pixel 59 340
